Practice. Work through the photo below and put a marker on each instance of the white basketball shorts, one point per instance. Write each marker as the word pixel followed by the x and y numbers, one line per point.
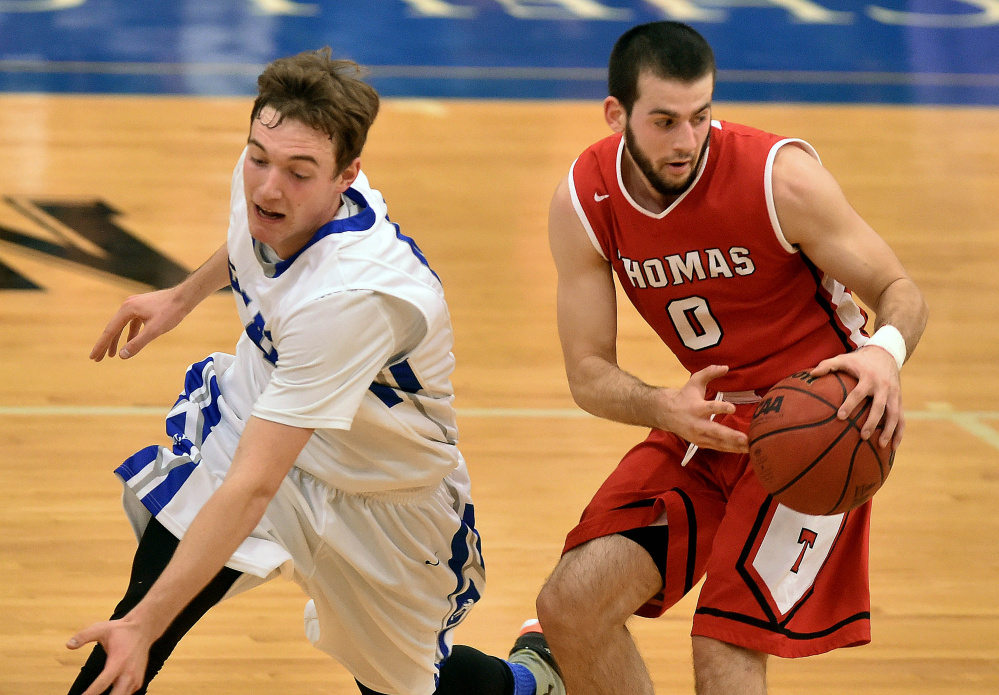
pixel 389 574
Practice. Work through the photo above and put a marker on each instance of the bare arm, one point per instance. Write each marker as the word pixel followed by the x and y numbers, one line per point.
pixel 815 215
pixel 152 314
pixel 587 324
pixel 266 452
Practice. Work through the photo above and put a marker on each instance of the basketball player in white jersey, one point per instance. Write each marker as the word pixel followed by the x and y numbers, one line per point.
pixel 325 448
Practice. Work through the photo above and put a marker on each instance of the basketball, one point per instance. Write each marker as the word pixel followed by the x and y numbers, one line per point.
pixel 807 458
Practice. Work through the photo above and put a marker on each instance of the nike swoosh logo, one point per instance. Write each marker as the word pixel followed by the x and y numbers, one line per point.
pixel 598 198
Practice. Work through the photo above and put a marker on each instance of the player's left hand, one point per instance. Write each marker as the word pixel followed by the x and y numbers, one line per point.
pixel 127 648
pixel 877 378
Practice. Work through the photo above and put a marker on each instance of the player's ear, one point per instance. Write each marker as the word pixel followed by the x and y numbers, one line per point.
pixel 615 114
pixel 349 173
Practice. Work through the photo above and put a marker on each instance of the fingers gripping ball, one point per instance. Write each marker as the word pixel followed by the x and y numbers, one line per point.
pixel 806 457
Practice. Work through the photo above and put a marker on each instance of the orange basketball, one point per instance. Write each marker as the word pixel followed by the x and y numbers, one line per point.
pixel 806 457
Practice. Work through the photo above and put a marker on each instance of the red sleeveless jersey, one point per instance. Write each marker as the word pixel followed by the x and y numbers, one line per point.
pixel 713 274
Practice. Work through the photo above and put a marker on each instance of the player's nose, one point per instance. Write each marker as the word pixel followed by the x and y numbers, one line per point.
pixel 270 185
pixel 686 138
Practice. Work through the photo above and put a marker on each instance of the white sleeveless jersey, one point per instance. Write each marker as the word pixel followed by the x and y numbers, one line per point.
pixel 378 425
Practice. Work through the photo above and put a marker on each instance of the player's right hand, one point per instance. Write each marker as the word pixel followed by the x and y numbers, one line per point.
pixel 147 317
pixel 127 648
pixel 691 416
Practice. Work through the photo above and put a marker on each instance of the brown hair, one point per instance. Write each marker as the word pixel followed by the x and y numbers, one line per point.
pixel 322 93
pixel 669 50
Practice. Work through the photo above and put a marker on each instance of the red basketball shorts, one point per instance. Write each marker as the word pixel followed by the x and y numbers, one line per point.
pixel 776 581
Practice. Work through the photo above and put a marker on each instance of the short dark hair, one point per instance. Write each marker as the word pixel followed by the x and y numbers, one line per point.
pixel 324 94
pixel 669 50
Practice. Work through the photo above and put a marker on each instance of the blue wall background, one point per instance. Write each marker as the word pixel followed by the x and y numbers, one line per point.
pixel 928 51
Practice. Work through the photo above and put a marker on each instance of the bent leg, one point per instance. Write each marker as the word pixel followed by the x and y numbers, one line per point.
pixel 152 556
pixel 583 608
pixel 721 668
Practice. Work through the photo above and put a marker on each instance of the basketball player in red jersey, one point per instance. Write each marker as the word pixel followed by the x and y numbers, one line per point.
pixel 737 247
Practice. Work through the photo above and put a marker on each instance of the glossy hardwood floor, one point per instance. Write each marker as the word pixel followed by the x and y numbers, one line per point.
pixel 470 181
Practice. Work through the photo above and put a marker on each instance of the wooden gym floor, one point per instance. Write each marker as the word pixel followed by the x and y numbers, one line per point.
pixel 470 181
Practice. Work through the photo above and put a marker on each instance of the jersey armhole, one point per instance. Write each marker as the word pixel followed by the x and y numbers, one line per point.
pixel 768 186
pixel 581 214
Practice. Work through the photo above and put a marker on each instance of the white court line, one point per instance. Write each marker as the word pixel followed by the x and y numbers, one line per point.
pixel 81 410
pixel 969 421
pixel 476 72
pixel 977 428
pixel 125 410
pixel 142 410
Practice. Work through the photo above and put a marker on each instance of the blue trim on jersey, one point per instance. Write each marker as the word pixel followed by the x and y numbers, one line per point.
pixel 386 394
pixel 194 381
pixel 176 427
pixel 256 330
pixel 177 424
pixel 164 492
pixel 462 597
pixel 131 466
pixel 363 220
pixel 405 377
pixel 412 245
pixel 234 283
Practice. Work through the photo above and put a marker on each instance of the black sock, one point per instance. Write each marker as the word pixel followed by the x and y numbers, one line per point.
pixel 469 672
pixel 154 552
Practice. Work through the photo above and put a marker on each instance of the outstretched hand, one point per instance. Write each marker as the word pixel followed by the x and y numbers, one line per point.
pixel 127 648
pixel 147 317
pixel 877 378
pixel 690 416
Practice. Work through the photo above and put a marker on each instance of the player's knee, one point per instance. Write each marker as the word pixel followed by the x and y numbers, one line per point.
pixel 720 667
pixel 552 605
pixel 570 602
pixel 561 600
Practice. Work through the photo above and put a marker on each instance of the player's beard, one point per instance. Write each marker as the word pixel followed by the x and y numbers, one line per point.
pixel 652 175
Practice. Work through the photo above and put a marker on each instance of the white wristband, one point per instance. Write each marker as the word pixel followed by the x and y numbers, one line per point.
pixel 888 338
